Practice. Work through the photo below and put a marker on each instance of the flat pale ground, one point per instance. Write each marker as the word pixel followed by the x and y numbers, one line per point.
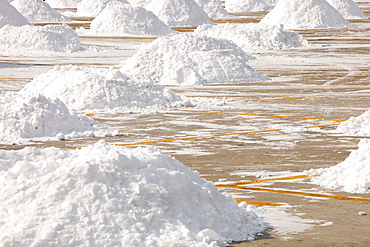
pixel 252 137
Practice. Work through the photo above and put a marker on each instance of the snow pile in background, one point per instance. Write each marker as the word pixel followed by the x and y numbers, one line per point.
pixel 191 60
pixel 235 6
pixel 352 175
pixel 254 36
pixel 179 12
pixel 356 126
pixel 10 15
pixel 140 3
pixel 123 19
pixel 348 8
pixel 306 14
pixel 213 8
pixel 89 88
pixel 38 118
pixel 38 11
pixel 63 3
pixel 103 195
pixel 58 38
pixel 92 8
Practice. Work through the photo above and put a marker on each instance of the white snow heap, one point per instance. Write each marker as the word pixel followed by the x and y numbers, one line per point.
pixel 103 195
pixel 356 126
pixel 235 6
pixel 10 15
pixel 25 118
pixel 348 8
pixel 139 3
pixel 123 19
pixel 63 3
pixel 186 59
pixel 57 38
pixel 179 12
pixel 92 8
pixel 38 11
pixel 308 14
pixel 90 88
pixel 213 8
pixel 254 36
pixel 352 175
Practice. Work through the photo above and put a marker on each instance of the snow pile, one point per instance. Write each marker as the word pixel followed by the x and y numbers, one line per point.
pixel 213 8
pixel 191 60
pixel 123 19
pixel 10 15
pixel 306 14
pixel 93 7
pixel 140 3
pixel 352 175
pixel 89 88
pixel 356 126
pixel 57 38
pixel 179 12
pixel 348 8
pixel 25 118
pixel 235 6
pixel 254 36
pixel 38 11
pixel 63 3
pixel 103 195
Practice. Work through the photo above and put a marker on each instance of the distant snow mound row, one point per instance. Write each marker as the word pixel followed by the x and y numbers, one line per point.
pixel 348 8
pixel 38 11
pixel 57 38
pixel 139 3
pixel 25 118
pixel 308 14
pixel 113 196
pixel 235 6
pixel 89 88
pixel 10 15
pixel 123 19
pixel 213 8
pixel 92 8
pixel 186 59
pixel 356 126
pixel 63 3
pixel 179 12
pixel 254 36
pixel 352 175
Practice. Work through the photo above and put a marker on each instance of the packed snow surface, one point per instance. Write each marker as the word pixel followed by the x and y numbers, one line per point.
pixel 186 59
pixel 254 36
pixel 123 19
pixel 213 8
pixel 94 7
pixel 90 88
pixel 356 126
pixel 104 195
pixel 352 175
pixel 348 8
pixel 235 6
pixel 63 3
pixel 38 11
pixel 10 15
pixel 179 12
pixel 306 14
pixel 140 3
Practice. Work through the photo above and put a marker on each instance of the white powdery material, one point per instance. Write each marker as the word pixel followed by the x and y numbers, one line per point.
pixel 308 14
pixel 254 36
pixel 57 38
pixel 89 88
pixel 38 11
pixel 236 6
pixel 213 8
pixel 139 3
pixel 352 175
pixel 103 195
pixel 123 19
pixel 179 12
pixel 93 7
pixel 10 15
pixel 186 59
pixel 63 3
pixel 348 8
pixel 356 126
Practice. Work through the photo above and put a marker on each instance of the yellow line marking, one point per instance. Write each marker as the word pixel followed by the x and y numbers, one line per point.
pixel 263 115
pixel 7 78
pixel 320 126
pixel 260 203
pixel 271 179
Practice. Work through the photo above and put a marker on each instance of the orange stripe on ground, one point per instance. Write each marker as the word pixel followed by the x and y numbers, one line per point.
pixel 271 179
pixel 259 203
pixel 319 126
pixel 9 78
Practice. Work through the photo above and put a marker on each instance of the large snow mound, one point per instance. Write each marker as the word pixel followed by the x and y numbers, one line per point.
pixel 235 6
pixel 348 8
pixel 308 14
pixel 356 126
pixel 179 12
pixel 254 36
pixel 213 8
pixel 352 175
pixel 57 38
pixel 10 15
pixel 33 118
pixel 90 88
pixel 123 19
pixel 139 3
pixel 38 11
pixel 186 59
pixel 94 7
pixel 63 3
pixel 103 195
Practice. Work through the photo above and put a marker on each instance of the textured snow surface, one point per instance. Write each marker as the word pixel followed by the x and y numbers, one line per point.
pixel 213 8
pixel 235 6
pixel 140 3
pixel 94 7
pixel 356 126
pixel 103 195
pixel 186 59
pixel 348 8
pixel 10 15
pixel 63 3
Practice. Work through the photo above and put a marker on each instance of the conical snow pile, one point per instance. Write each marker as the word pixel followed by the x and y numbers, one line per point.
pixel 348 8
pixel 235 6
pixel 213 8
pixel 356 126
pixel 186 59
pixel 103 195
pixel 139 3
pixel 308 14
pixel 92 8
pixel 10 15
pixel 123 19
pixel 179 12
pixel 63 3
